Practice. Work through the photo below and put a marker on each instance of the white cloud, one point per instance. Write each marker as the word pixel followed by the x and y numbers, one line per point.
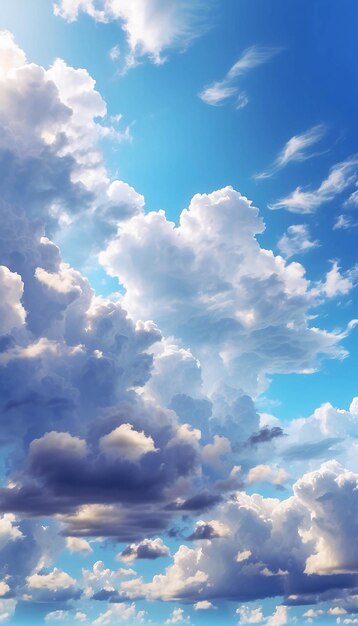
pixel 7 609
pixel 334 550
pixel 177 617
pixel 77 544
pixel 127 443
pixel 352 201
pixel 12 312
pixel 53 581
pixel 267 473
pixel 336 283
pixel 311 613
pixel 4 588
pixel 207 282
pixel 295 150
pixel 341 176
pixel 56 616
pixel 212 453
pixel 9 531
pixel 279 617
pixel 101 577
pixel 120 612
pixel 336 610
pixel 114 53
pixel 307 546
pixel 296 240
pixel 152 27
pixel 344 222
pixel 218 92
pixel 203 605
pixel 250 616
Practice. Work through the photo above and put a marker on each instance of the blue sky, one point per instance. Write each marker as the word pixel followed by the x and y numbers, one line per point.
pixel 178 354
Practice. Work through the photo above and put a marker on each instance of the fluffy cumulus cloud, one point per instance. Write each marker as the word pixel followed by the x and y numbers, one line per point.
pixel 151 27
pixel 12 312
pixel 209 283
pixel 328 432
pixel 71 363
pixel 305 542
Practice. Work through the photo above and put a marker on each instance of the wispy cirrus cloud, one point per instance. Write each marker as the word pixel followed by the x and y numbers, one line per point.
pixel 295 150
pixel 341 176
pixel 296 240
pixel 217 92
pixel 151 27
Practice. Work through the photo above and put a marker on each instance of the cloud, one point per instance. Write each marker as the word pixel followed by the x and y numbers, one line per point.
pixel 249 616
pixel 208 530
pixel 295 150
pixel 336 283
pixel 312 556
pixel 56 616
pixel 101 578
pixel 53 581
pixel 177 617
pixel 213 452
pixel 352 201
pixel 220 91
pixel 279 617
pixel 12 312
pixel 62 476
pixel 112 430
pixel 199 502
pixel 7 609
pixel 265 435
pixel 121 612
pixel 9 531
pixel 152 27
pixel 344 222
pixel 76 544
pixel 147 549
pixel 204 605
pixel 207 282
pixel 341 176
pixel 127 443
pixel 296 240
pixel 57 585
pixel 266 473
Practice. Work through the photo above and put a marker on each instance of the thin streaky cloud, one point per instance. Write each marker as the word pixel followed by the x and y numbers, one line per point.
pixel 219 91
pixel 344 222
pixel 152 28
pixel 296 240
pixel 295 150
pixel 341 176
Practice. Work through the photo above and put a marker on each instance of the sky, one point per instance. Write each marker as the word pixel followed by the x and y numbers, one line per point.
pixel 178 312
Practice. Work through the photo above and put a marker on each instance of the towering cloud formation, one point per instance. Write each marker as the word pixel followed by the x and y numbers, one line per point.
pixel 241 310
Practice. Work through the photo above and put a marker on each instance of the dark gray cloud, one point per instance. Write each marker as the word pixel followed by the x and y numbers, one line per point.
pixel 199 502
pixel 265 435
pixel 148 549
pixel 204 531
